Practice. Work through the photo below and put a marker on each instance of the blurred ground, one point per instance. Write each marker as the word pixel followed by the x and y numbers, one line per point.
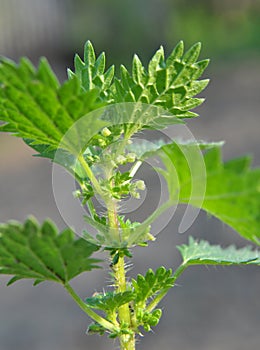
pixel 211 309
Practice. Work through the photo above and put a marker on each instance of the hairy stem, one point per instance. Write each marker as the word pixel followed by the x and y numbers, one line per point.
pixel 127 341
pixel 99 319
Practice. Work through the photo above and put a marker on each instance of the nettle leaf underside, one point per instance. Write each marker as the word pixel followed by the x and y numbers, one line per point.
pixel 202 253
pixel 232 188
pixel 41 253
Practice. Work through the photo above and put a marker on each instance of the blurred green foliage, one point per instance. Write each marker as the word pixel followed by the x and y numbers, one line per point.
pixel 226 28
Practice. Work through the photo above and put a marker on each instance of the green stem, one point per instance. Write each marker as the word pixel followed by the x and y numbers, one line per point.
pixel 91 208
pixel 90 175
pixel 99 319
pixel 179 271
pixel 163 293
pixel 153 304
pixel 138 232
pixel 127 341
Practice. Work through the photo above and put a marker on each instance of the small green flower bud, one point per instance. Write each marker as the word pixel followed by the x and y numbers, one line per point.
pixel 147 328
pixel 146 317
pixel 150 237
pixel 140 185
pixel 77 194
pixel 131 157
pixel 106 132
pixel 90 158
pixel 101 142
pixel 135 194
pixel 157 313
pixel 153 321
pixel 120 159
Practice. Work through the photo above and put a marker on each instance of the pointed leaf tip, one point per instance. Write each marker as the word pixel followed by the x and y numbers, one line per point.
pixel 89 54
pixel 192 54
pixel 170 84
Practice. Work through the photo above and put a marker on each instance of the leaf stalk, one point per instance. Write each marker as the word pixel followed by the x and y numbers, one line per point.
pixel 99 319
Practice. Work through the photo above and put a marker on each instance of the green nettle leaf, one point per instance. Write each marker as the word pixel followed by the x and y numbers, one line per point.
pixel 33 105
pixel 110 301
pixel 32 251
pixel 232 188
pixel 202 253
pixel 170 84
pixel 146 287
pixel 91 72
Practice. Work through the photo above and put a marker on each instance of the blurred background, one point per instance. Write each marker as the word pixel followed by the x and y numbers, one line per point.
pixel 211 309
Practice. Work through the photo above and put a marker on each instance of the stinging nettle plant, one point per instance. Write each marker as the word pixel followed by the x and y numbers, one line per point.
pixel 89 125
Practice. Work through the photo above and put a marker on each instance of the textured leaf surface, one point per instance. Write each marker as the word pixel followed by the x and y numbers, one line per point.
pixel 32 251
pixel 152 283
pixel 91 72
pixel 33 105
pixel 109 301
pixel 169 83
pixel 202 253
pixel 232 188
